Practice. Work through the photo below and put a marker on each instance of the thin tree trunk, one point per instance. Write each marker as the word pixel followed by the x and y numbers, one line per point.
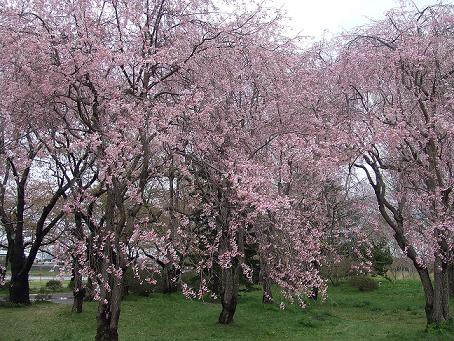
pixel 315 290
pixel 171 274
pixel 451 278
pixel 124 284
pixel 170 277
pixel 230 278
pixel 78 290
pixel 266 283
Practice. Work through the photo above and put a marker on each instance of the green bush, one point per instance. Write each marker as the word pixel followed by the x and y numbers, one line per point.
pixel 381 258
pixel 363 283
pixel 53 285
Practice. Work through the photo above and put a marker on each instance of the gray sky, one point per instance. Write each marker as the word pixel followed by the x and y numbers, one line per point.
pixel 313 17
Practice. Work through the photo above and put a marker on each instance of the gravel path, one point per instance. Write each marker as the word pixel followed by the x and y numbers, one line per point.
pixel 59 298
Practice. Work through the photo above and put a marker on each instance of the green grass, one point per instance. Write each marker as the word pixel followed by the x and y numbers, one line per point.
pixel 393 312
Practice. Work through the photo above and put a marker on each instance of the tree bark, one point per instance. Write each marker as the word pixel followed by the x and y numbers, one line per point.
pixel 124 284
pixel 440 311
pixel 266 283
pixel 170 273
pixel 78 290
pixel 451 278
pixel 109 308
pixel 229 292
pixel 170 277
pixel 78 301
pixel 230 278
pixel 109 314
pixel 19 290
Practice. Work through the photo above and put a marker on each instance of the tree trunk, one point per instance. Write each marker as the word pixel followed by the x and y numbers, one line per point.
pixel 170 277
pixel 229 292
pixel 451 278
pixel 230 278
pixel 78 290
pixel 109 308
pixel 109 314
pixel 124 284
pixel 266 283
pixel 440 312
pixel 19 290
pixel 267 292
pixel 78 301
pixel 315 289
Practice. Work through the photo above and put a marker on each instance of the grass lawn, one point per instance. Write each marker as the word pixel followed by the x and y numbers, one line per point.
pixel 394 311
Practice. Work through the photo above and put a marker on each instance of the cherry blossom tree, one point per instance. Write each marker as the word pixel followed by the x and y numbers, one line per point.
pixel 122 82
pixel 396 77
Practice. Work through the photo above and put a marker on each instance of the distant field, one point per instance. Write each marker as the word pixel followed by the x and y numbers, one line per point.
pixel 40 270
pixel 393 312
pixel 36 286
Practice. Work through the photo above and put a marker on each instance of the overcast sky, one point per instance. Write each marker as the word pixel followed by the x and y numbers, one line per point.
pixel 313 17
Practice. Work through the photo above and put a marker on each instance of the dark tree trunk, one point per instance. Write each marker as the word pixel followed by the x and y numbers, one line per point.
pixel 267 292
pixel 451 278
pixel 19 290
pixel 170 276
pixel 78 290
pixel 315 289
pixel 266 283
pixel 440 311
pixel 229 292
pixel 436 293
pixel 109 309
pixel 230 281
pixel 78 301
pixel 124 285
pixel 109 314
